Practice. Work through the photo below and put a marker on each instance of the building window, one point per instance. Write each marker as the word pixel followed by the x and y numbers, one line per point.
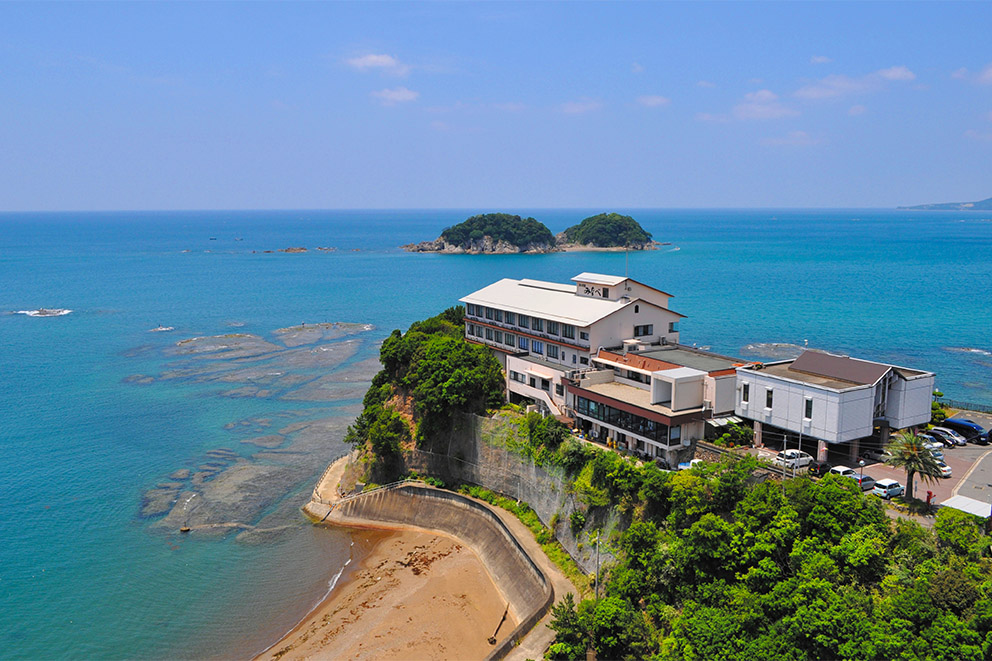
pixel 523 343
pixel 809 409
pixel 498 315
pixel 545 385
pixel 498 337
pixel 537 347
pixel 511 318
pixel 489 333
pixel 637 309
pixel 573 358
pixel 568 331
pixel 559 389
pixel 640 331
pixel 489 313
pixel 606 292
pixel 583 335
pixel 552 328
pixel 469 309
pixel 673 327
pixel 518 377
pixel 583 361
pixel 537 324
pixel 768 398
pixel 510 339
pixel 524 321
pixel 552 351
pixel 532 383
pixel 675 435
pixel 745 393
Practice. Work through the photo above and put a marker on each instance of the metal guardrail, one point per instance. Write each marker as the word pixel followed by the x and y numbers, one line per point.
pixel 967 406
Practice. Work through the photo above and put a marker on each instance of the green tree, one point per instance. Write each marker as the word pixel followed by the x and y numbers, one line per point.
pixel 607 230
pixel 909 454
pixel 570 636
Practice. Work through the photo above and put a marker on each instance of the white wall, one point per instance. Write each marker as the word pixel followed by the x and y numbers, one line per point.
pixel 837 416
pixel 619 326
pixel 909 401
pixel 721 390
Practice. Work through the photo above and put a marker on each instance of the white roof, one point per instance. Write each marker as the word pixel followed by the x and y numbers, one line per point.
pixel 969 505
pixel 680 373
pixel 548 300
pixel 599 279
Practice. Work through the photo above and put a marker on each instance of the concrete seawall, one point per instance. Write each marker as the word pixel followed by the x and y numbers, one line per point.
pixel 517 576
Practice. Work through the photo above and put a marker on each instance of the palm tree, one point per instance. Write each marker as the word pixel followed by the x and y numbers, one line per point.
pixel 909 454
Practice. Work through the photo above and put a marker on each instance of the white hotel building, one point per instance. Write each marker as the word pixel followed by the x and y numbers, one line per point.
pixel 542 331
pixel 604 352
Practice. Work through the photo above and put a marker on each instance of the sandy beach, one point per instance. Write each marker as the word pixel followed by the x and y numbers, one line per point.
pixel 415 595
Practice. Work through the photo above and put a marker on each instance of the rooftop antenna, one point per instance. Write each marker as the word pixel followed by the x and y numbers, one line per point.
pixel 626 260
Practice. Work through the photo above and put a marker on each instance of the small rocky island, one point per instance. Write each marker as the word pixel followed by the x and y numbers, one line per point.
pixel 501 233
pixel 606 230
pixel 982 205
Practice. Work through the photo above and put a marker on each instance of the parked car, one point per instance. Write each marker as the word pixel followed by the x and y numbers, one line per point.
pixel 866 482
pixel 686 465
pixel 880 455
pixel 935 450
pixel 967 428
pixel 948 436
pixel 945 470
pixel 932 439
pixel 887 488
pixel 793 459
pixel 842 470
pixel 818 468
pixel 984 439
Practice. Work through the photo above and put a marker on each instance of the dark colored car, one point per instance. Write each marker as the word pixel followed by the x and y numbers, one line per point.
pixel 967 428
pixel 819 468
pixel 984 439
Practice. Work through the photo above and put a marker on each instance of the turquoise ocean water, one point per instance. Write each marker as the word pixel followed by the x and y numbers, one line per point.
pixel 82 575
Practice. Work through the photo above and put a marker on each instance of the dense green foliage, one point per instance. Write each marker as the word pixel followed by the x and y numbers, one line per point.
pixel 439 370
pixel 715 567
pixel 608 230
pixel 521 232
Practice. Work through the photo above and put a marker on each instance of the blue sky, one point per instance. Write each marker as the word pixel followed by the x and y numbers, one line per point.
pixel 493 105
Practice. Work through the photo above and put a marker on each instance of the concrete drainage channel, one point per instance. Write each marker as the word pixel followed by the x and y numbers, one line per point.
pixel 515 573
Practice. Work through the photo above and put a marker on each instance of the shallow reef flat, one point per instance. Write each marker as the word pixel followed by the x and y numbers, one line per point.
pixel 274 455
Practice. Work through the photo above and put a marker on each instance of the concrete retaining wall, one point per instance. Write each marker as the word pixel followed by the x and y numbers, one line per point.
pixel 518 578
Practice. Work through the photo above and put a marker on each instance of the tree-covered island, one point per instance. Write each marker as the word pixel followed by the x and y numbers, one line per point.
pixel 501 233
pixel 715 562
pixel 607 230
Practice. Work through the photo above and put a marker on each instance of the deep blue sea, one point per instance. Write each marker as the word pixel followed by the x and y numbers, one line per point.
pixel 82 575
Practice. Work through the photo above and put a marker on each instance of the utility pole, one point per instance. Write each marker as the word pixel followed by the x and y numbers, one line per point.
pixel 597 565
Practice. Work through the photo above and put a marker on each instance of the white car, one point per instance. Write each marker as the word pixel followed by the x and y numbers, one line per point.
pixel 935 450
pixel 843 470
pixel 945 470
pixel 887 489
pixel 793 459
pixel 946 434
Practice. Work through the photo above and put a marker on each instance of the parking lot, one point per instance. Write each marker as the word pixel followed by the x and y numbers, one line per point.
pixel 971 467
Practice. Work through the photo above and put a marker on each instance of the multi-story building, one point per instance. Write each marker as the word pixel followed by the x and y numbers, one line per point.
pixel 652 400
pixel 831 399
pixel 543 330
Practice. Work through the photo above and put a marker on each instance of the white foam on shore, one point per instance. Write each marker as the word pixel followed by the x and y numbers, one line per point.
pixel 44 312
pixel 981 352
pixel 162 329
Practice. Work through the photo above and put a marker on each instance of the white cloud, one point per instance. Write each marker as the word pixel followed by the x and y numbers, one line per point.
pixel 705 83
pixel 580 107
pixel 837 85
pixel 390 97
pixel 636 68
pixel 762 104
pixel 792 139
pixel 382 62
pixel 981 136
pixel 653 101
pixel 960 74
pixel 832 86
pixel 820 59
pixel 854 111
pixel 897 73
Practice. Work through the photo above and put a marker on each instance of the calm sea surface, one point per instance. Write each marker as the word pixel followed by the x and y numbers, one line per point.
pixel 82 575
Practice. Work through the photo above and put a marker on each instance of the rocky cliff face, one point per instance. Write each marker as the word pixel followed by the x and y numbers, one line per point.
pixel 484 246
